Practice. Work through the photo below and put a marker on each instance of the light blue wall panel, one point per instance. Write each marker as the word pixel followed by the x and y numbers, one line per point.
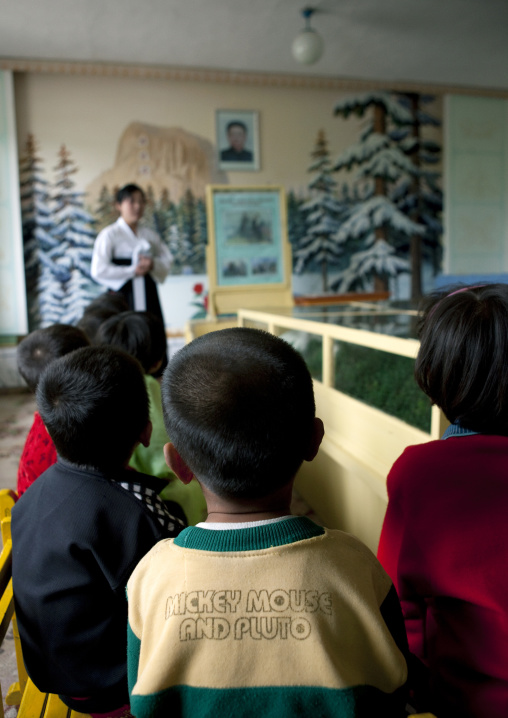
pixel 13 319
pixel 476 185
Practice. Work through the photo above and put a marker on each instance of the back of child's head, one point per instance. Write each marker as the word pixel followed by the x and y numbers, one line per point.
pixel 94 405
pixel 101 308
pixel 43 346
pixel 462 362
pixel 239 407
pixel 140 334
pixel 113 302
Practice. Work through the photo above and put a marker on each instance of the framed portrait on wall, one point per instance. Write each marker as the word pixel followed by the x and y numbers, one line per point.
pixel 248 252
pixel 237 140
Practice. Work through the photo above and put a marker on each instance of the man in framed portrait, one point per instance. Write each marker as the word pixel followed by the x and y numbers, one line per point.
pixel 236 132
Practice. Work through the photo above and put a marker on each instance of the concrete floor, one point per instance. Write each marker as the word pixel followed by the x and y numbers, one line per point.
pixel 16 417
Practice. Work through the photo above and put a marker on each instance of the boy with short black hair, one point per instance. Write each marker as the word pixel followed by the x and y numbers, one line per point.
pixel 42 346
pixel 140 334
pixel 99 310
pixel 34 353
pixel 256 612
pixel 81 529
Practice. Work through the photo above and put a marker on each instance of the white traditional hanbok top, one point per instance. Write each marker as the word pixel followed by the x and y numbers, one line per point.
pixel 115 256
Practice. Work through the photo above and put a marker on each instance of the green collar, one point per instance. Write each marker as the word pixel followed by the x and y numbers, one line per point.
pixel 253 538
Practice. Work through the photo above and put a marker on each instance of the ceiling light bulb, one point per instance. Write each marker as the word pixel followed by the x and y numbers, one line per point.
pixel 308 45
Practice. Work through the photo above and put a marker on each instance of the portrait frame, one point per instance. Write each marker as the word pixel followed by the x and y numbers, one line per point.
pixel 248 252
pixel 250 120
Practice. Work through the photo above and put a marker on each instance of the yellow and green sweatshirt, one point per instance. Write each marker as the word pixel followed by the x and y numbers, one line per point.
pixel 282 619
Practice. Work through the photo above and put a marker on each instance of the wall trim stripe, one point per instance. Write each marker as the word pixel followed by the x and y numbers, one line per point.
pixel 262 79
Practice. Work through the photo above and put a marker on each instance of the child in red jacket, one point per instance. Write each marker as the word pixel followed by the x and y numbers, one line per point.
pixel 35 352
pixel 445 536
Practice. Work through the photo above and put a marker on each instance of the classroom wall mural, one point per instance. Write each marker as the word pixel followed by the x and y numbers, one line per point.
pixel 169 160
pixel 58 237
pixel 363 217
pixel 60 223
pixel 385 219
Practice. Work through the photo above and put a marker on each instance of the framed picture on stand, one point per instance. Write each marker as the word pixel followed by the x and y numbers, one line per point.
pixel 248 253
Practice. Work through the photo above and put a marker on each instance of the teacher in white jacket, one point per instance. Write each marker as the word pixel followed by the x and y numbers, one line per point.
pixel 130 258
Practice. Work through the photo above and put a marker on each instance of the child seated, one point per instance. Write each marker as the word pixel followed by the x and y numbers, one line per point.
pixel 33 355
pixel 101 308
pixel 445 536
pixel 256 612
pixel 142 335
pixel 83 526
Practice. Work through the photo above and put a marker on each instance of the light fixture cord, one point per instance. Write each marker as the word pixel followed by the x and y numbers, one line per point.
pixel 307 13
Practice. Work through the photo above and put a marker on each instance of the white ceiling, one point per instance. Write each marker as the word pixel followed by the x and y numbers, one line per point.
pixel 451 42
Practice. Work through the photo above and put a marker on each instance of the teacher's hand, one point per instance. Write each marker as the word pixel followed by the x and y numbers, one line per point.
pixel 143 266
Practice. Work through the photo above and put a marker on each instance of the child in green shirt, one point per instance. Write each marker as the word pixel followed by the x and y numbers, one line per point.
pixel 141 334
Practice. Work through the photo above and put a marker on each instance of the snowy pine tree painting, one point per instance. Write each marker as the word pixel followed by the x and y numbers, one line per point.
pixel 161 213
pixel 419 194
pixel 375 219
pixel 105 212
pixel 297 226
pixel 65 285
pixel 187 227
pixel 323 213
pixel 201 237
pixel 37 224
pixel 180 247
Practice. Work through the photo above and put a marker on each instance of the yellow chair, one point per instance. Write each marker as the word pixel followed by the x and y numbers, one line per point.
pixel 7 616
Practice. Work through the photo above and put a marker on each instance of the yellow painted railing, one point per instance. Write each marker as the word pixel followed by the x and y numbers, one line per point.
pixel 346 483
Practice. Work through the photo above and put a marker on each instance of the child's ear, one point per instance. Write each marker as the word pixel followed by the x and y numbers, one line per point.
pixel 146 434
pixel 155 367
pixel 177 464
pixel 317 437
